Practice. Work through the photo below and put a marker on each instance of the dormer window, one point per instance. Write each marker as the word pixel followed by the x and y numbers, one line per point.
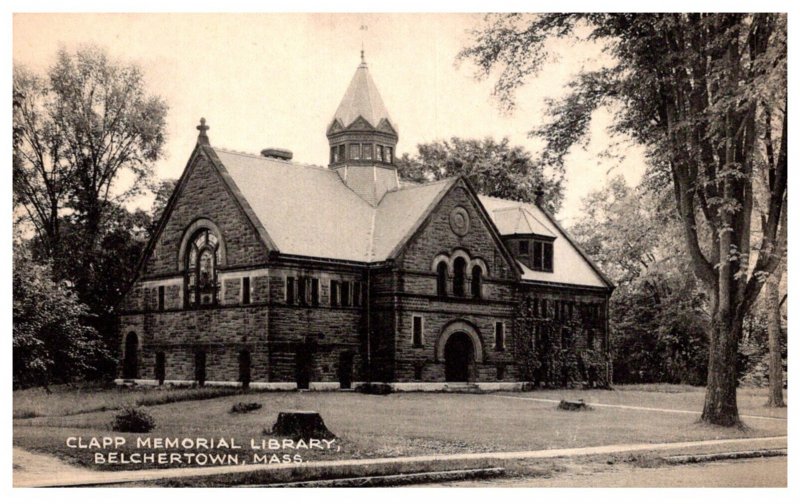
pixel 542 255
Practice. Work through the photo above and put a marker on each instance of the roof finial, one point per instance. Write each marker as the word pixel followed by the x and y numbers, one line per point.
pixel 202 138
pixel 362 29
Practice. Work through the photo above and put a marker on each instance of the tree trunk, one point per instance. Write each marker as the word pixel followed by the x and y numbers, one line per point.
pixel 720 404
pixel 774 331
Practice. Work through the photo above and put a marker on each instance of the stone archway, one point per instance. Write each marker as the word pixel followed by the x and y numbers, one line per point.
pixel 460 349
pixel 459 358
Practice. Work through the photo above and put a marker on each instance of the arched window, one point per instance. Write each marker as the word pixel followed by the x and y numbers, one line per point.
pixel 441 279
pixel 459 274
pixel 201 269
pixel 476 281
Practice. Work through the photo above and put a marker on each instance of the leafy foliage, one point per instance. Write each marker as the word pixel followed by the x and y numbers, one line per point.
pixel 494 168
pixel 699 92
pixel 133 419
pixel 52 339
pixel 85 137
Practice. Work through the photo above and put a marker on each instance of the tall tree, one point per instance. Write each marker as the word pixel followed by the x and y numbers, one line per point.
pixel 86 136
pixel 494 168
pixel 694 90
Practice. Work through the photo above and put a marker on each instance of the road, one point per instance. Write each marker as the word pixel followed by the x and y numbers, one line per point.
pixel 769 472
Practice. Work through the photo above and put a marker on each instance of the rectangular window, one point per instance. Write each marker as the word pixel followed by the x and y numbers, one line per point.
pixel 302 284
pixel 367 151
pixel 418 371
pixel 314 292
pixel 289 290
pixel 334 293
pixel 334 155
pixel 345 293
pixel 416 331
pixel 387 154
pixel 245 290
pixel 524 247
pixel 548 257
pixel 356 293
pixel 499 336
pixel 160 298
pixel 341 152
pixel 537 255
pixel 379 152
pixel 355 151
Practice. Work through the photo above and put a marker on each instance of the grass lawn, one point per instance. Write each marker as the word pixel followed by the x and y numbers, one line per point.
pixel 414 423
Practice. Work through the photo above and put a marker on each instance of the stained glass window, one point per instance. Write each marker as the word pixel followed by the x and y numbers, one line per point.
pixel 201 269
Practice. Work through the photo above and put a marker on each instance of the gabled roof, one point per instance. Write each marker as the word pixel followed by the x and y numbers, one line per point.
pixel 362 99
pixel 571 264
pixel 308 211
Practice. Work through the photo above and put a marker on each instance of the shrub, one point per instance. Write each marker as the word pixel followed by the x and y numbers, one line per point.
pixel 374 388
pixel 245 407
pixel 133 419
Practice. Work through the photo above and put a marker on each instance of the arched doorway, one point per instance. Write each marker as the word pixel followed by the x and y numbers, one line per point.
pixel 130 367
pixel 459 355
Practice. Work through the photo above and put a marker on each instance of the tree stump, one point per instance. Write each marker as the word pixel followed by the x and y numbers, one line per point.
pixel 578 405
pixel 301 425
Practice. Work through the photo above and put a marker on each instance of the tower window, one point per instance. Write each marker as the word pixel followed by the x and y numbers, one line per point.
pixel 334 293
pixel 334 154
pixel 301 290
pixel 345 293
pixel 379 152
pixel 355 151
pixel 341 153
pixel 387 153
pixel 314 291
pixel 367 151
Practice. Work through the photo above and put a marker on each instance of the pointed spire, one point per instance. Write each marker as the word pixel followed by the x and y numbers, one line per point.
pixel 202 138
pixel 362 99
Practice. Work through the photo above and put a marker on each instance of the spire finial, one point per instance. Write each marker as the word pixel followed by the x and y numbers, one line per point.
pixel 202 138
pixel 362 29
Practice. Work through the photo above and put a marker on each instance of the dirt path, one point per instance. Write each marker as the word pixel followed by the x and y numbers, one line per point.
pixel 31 468
pixel 74 477
pixel 740 473
pixel 639 408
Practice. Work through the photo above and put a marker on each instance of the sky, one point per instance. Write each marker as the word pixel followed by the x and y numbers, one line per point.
pixel 275 80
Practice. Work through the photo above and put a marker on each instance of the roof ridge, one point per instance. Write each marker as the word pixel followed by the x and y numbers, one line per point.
pixel 276 160
pixel 424 184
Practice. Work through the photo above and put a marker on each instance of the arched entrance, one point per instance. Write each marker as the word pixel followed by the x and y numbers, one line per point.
pixel 130 367
pixel 459 356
